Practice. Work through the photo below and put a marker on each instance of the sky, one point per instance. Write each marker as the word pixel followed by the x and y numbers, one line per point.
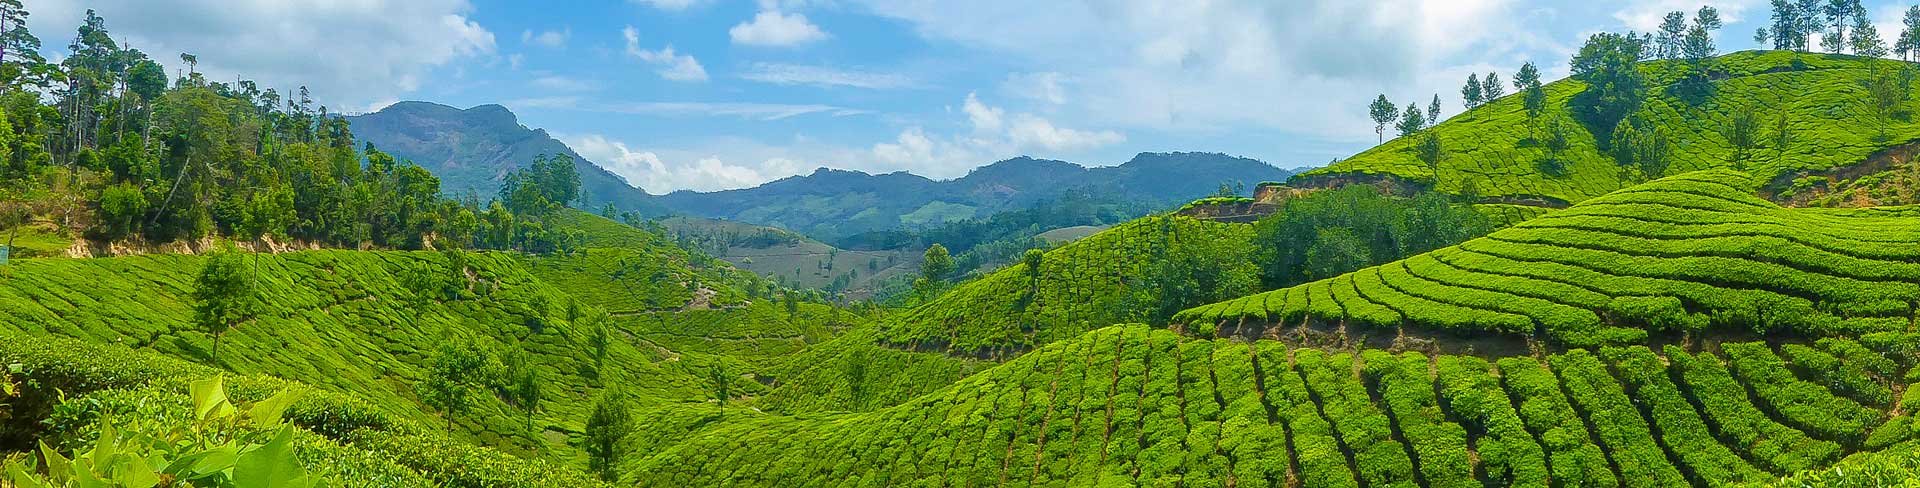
pixel 717 94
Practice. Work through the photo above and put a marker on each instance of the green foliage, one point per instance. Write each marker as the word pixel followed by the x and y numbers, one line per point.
pixel 225 295
pixel 1685 253
pixel 607 432
pixel 1336 231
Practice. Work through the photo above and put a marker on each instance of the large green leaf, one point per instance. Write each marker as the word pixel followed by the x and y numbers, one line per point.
pixel 19 477
pixel 271 466
pixel 266 413
pixel 210 399
pixel 59 469
pixel 205 463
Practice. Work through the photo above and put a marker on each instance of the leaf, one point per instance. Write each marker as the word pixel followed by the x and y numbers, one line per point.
pixel 132 472
pixel 20 478
pixel 266 413
pixel 271 465
pixel 104 448
pixel 59 469
pixel 205 463
pixel 210 399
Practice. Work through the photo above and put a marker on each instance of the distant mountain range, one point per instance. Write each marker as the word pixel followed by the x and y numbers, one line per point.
pixel 472 149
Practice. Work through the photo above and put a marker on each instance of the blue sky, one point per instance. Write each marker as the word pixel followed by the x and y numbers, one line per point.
pixel 712 94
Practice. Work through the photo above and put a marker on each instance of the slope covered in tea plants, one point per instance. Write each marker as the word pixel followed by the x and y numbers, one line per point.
pixel 1685 254
pixel 1138 271
pixel 1491 149
pixel 1133 405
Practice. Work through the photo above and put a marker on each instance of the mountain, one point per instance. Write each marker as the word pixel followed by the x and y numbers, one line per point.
pixel 828 203
pixel 472 149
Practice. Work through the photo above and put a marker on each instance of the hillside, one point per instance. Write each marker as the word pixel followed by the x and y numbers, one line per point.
pixel 1130 405
pixel 1819 96
pixel 473 149
pixel 831 204
pixel 1686 255
pixel 793 259
pixel 1131 272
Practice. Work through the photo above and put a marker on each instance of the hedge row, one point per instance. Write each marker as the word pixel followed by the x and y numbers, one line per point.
pixel 1809 407
pixel 1616 421
pixel 1680 427
pixel 1725 404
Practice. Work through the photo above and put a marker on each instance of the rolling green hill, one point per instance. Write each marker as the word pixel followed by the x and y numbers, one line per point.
pixel 1135 406
pixel 1131 272
pixel 1825 110
pixel 793 259
pixel 1685 255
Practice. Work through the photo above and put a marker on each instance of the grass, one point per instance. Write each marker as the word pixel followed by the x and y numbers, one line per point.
pixel 1693 253
pixel 1134 405
pixel 1490 147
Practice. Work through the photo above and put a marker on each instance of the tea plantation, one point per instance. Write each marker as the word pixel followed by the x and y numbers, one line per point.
pixel 1137 406
pixel 1686 255
pixel 1491 152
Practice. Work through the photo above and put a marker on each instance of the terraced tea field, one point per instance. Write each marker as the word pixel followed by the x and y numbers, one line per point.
pixel 1685 255
pixel 1138 406
pixel 1492 150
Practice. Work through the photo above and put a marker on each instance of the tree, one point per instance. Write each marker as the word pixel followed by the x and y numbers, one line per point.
pixel 1382 112
pixel 1839 14
pixel 1336 251
pixel 1888 90
pixel 1785 27
pixel 1471 94
pixel 1491 89
pixel 1433 111
pixel 1034 258
pixel 1412 121
pixel 1609 64
pixel 1812 21
pixel 225 295
pixel 453 377
pixel 1639 143
pixel 1429 152
pixel 1866 38
pixel 1697 46
pixel 526 393
pixel 1743 133
pixel 722 382
pixel 937 264
pixel 1761 36
pixel 1533 96
pixel 19 49
pixel 1672 33
pixel 1908 44
pixel 606 432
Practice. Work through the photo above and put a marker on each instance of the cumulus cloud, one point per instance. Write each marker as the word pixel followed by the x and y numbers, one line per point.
pixel 1208 67
pixel 554 39
pixel 672 66
pixel 995 134
pixel 795 74
pixel 773 28
pixel 657 173
pixel 1645 15
pixel 349 53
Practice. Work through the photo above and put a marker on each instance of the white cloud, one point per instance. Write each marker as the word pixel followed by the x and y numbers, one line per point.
pixel 669 4
pixel 794 74
pixel 996 134
pixel 672 66
pixel 1290 67
pixel 515 60
pixel 1645 15
pixel 554 39
pixel 562 83
pixel 773 28
pixel 658 174
pixel 349 53
pixel 745 110
pixel 1047 86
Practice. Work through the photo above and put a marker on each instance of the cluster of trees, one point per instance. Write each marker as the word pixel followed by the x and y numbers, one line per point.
pixel 1840 26
pixel 1333 232
pixel 103 141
